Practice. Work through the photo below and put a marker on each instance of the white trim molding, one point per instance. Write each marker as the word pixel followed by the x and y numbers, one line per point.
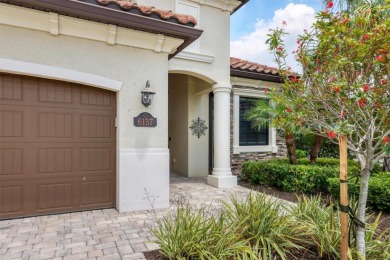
pixel 56 73
pixel 64 25
pixel 237 149
pixel 185 55
pixel 224 5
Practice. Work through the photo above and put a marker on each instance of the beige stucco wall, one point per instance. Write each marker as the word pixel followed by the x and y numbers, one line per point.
pixel 188 100
pixel 198 149
pixel 178 123
pixel 115 62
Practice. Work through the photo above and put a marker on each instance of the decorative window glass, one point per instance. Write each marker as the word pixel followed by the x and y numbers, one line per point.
pixel 248 135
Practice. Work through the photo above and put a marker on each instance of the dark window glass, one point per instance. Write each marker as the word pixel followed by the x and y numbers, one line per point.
pixel 248 135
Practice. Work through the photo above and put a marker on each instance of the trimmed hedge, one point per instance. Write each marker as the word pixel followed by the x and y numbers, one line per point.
pixel 378 190
pixel 323 176
pixel 304 177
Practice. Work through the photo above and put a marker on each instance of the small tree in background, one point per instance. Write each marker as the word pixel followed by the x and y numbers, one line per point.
pixel 265 113
pixel 344 90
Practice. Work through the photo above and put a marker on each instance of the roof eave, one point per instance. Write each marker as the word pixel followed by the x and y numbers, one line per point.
pixel 256 75
pixel 102 14
pixel 243 2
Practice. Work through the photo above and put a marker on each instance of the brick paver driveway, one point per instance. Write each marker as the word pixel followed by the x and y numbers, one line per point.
pixel 98 234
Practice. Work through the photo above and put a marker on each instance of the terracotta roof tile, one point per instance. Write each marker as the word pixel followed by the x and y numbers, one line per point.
pixel 236 63
pixel 149 11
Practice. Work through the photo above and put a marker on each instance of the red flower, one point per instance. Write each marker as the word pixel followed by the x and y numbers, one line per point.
pixel 330 4
pixel 343 114
pixel 298 42
pixel 380 58
pixel 265 90
pixel 331 134
pixel 336 89
pixel 386 139
pixel 280 48
pixel 366 88
pixel 383 81
pixel 288 110
pixel 366 37
pixel 294 79
pixel 362 102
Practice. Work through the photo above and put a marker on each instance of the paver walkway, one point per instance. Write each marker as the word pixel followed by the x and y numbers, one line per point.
pixel 98 234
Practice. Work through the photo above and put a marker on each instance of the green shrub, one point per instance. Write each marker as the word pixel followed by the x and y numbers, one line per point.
pixel 196 234
pixel 321 223
pixel 301 154
pixel 305 177
pixel 266 224
pixel 378 190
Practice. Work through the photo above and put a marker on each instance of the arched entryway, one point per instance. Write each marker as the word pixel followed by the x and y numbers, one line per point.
pixel 189 125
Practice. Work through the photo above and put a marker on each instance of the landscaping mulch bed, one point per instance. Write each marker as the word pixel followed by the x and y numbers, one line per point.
pixel 289 196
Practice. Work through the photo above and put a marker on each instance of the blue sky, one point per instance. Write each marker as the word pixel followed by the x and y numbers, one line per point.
pixel 251 23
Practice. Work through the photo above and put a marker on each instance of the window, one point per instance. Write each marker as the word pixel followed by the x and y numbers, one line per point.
pixel 248 135
pixel 245 137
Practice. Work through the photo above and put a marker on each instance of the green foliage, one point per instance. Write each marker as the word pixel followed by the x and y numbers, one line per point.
pixel 265 224
pixel 304 177
pixel 321 223
pixel 259 227
pixel 301 154
pixel 195 234
pixel 377 244
pixel 378 190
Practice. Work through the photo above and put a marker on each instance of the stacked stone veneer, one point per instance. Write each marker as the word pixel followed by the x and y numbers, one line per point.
pixel 238 159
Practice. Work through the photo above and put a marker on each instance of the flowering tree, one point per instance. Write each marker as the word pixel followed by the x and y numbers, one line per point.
pixel 344 90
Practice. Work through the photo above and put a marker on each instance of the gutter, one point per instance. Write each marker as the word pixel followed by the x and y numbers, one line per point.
pixel 97 13
pixel 255 75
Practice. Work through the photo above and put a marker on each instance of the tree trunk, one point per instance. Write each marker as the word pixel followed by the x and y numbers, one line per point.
pixel 361 213
pixel 316 147
pixel 386 164
pixel 291 147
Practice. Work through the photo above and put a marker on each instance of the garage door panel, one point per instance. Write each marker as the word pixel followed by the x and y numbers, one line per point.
pixel 55 160
pixel 10 87
pixel 96 97
pixel 11 161
pixel 96 193
pixel 57 150
pixel 96 126
pixel 11 199
pixel 55 196
pixel 11 123
pixel 55 91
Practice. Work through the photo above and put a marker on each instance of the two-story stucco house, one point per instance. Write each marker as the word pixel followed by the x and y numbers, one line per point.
pixel 76 132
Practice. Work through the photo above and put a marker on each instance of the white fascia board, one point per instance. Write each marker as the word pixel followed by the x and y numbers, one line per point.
pixel 224 5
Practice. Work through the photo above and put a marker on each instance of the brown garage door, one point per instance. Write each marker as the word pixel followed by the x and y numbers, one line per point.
pixel 57 147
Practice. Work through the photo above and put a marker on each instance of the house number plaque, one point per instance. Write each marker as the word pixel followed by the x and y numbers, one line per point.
pixel 145 120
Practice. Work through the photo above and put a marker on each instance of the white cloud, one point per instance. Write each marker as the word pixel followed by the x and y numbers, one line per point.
pixel 253 47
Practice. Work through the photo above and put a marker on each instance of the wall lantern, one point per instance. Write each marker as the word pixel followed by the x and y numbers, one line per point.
pixel 147 95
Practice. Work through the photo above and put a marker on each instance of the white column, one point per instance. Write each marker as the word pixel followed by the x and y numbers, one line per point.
pixel 222 174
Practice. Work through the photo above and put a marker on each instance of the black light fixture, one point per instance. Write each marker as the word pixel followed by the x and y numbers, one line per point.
pixel 147 95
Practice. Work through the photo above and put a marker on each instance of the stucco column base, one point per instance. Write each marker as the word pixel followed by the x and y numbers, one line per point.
pixel 222 181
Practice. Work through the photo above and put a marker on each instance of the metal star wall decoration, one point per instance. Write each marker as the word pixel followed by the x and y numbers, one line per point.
pixel 198 127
